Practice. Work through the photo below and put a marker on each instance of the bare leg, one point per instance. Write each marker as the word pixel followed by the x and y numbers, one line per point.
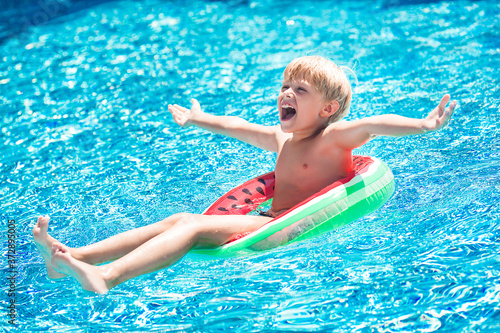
pixel 159 252
pixel 119 245
pixel 103 251
pixel 44 244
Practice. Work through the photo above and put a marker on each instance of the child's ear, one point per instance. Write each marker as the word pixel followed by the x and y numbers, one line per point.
pixel 329 109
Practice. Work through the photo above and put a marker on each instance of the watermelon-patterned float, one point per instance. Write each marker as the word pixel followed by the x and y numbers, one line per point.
pixel 361 192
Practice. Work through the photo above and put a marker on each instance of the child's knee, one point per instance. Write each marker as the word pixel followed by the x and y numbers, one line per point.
pixel 180 218
pixel 191 223
pixel 174 219
pixel 188 223
pixel 184 217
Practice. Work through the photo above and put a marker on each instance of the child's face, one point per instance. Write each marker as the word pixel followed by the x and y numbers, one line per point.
pixel 300 105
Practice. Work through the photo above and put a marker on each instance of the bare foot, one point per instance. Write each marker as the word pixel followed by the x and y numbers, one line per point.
pixel 90 277
pixel 44 243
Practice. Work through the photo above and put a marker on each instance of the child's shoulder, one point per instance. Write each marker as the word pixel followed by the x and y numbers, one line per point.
pixel 334 130
pixel 340 125
pixel 344 133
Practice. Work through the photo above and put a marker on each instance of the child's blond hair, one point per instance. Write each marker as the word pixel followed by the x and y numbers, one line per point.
pixel 327 77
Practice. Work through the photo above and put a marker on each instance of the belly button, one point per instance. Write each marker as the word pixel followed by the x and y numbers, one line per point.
pixel 305 166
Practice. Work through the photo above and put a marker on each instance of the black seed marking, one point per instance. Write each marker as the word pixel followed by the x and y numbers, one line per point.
pixel 222 209
pixel 262 181
pixel 247 191
pixel 232 197
pixel 235 206
pixel 248 201
pixel 260 190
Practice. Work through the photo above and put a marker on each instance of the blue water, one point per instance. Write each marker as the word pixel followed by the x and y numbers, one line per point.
pixel 86 138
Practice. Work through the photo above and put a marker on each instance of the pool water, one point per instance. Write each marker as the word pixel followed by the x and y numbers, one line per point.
pixel 86 137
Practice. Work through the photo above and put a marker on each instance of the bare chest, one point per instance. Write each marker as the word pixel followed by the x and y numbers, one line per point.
pixel 304 169
pixel 299 160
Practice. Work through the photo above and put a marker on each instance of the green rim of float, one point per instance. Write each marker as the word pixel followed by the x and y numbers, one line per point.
pixel 362 191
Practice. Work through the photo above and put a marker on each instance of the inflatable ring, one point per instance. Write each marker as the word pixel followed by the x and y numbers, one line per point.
pixel 366 188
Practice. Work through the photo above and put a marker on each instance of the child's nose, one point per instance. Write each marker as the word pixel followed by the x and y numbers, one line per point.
pixel 288 92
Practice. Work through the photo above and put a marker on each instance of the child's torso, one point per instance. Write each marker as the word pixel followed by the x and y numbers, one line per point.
pixel 304 168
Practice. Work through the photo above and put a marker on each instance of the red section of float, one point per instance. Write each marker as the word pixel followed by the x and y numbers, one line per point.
pixel 244 198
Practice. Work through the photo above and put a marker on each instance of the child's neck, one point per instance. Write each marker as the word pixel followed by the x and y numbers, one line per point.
pixel 306 135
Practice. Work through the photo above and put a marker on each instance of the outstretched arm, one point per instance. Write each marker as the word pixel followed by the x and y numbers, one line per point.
pixel 264 137
pixel 356 133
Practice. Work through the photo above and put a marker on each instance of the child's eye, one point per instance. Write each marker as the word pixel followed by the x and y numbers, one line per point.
pixel 283 88
pixel 302 89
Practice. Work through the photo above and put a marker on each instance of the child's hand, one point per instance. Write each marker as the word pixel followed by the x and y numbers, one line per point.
pixel 439 116
pixel 183 116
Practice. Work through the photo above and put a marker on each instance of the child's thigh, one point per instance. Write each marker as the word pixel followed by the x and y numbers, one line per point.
pixel 219 229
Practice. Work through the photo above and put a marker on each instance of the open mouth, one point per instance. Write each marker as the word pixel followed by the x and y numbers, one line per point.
pixel 287 112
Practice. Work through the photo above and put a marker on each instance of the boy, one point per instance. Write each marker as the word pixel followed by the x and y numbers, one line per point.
pixel 310 142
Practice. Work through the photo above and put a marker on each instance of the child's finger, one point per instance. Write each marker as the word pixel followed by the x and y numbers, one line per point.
pixel 195 103
pixel 172 108
pixel 451 108
pixel 444 101
pixel 178 119
pixel 173 111
pixel 180 108
pixel 453 105
pixel 448 112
